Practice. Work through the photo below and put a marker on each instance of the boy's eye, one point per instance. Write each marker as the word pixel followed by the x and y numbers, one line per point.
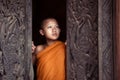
pixel 57 26
pixel 49 27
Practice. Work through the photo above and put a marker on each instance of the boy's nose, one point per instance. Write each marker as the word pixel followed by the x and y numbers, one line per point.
pixel 54 29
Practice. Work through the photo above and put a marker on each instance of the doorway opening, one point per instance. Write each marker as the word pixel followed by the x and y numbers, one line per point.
pixel 42 9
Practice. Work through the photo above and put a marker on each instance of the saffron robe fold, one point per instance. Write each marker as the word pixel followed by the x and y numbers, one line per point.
pixel 51 62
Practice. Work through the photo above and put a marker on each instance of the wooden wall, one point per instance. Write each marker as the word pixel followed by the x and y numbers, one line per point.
pixel 117 40
pixel 15 40
pixel 90 40
pixel 105 40
pixel 90 53
pixel 82 39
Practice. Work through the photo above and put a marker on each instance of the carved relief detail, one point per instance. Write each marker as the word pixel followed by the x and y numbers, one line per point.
pixel 12 39
pixel 82 33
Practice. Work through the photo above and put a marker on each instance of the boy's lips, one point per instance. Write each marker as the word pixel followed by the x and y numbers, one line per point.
pixel 54 34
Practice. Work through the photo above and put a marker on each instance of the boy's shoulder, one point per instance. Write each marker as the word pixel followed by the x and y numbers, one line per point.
pixel 39 48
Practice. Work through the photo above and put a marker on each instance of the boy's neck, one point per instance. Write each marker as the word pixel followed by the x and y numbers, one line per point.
pixel 49 42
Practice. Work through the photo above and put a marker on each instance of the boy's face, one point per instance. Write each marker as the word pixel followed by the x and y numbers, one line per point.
pixel 50 29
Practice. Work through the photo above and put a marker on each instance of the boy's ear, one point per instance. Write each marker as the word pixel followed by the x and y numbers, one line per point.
pixel 41 32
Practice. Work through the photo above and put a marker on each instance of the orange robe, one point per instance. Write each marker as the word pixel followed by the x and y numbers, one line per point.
pixel 51 62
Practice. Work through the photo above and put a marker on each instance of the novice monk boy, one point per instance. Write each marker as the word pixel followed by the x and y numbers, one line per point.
pixel 50 57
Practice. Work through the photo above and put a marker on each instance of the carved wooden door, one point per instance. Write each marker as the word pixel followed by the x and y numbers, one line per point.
pixel 90 40
pixel 15 40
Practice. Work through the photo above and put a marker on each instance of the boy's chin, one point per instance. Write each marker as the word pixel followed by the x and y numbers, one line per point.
pixel 54 39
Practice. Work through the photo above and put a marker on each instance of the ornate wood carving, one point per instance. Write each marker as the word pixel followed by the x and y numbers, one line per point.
pixel 82 40
pixel 85 29
pixel 15 40
pixel 105 37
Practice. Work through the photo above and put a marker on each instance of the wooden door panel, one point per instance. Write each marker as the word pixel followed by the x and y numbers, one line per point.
pixel 15 40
